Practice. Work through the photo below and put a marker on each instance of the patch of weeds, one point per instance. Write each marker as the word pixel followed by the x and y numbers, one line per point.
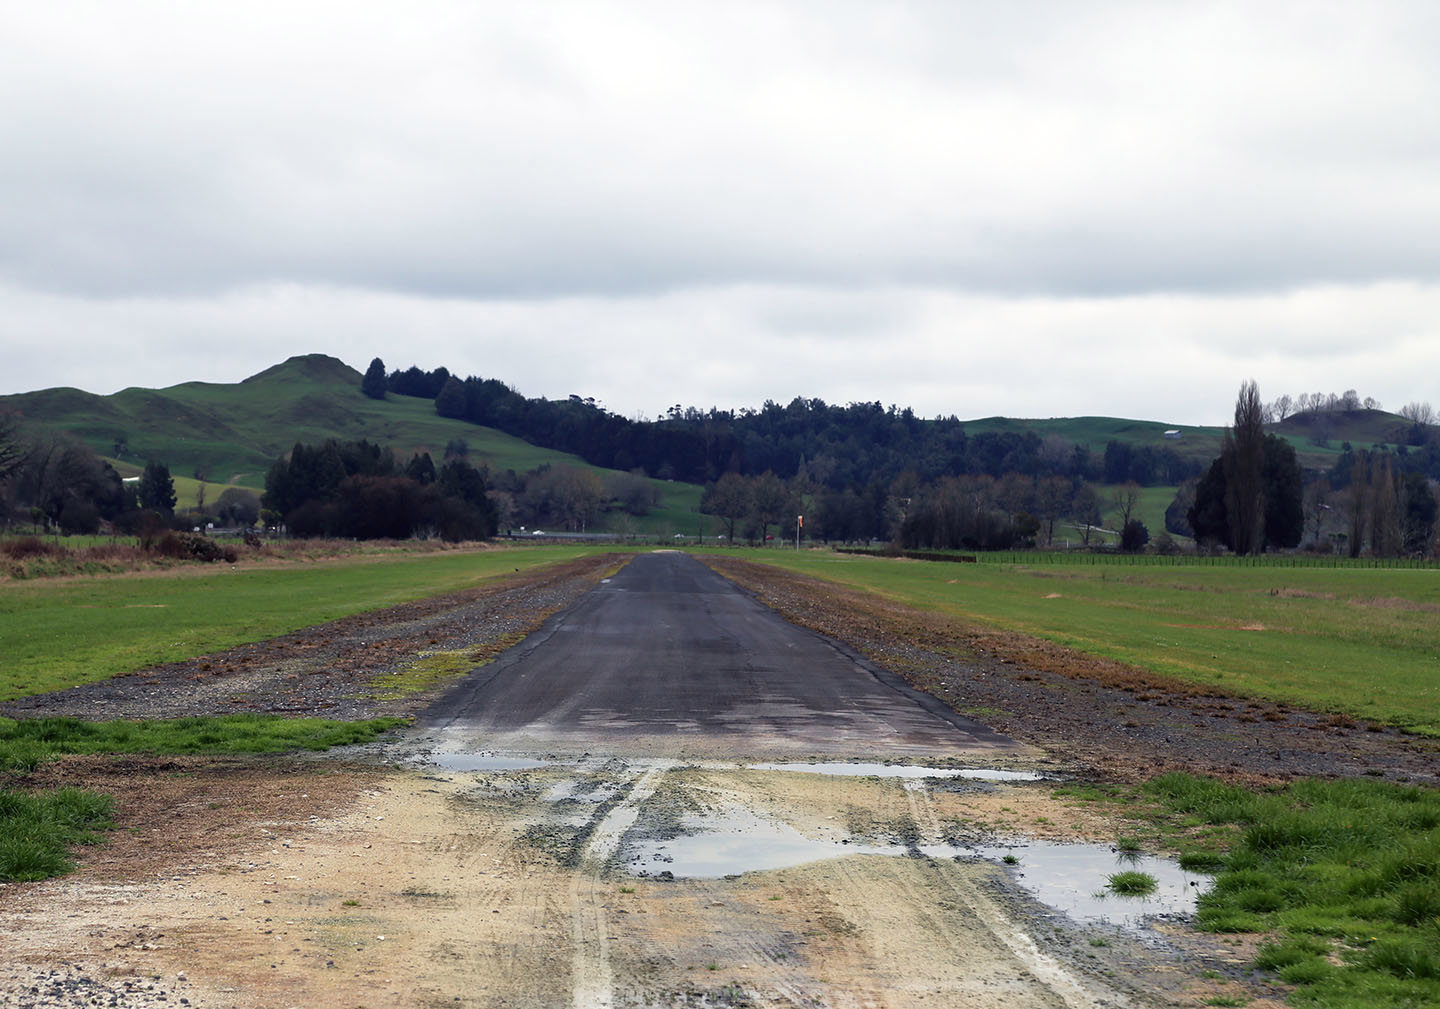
pixel 1098 942
pixel 38 831
pixel 627 889
pixel 349 903
pixel 1011 860
pixel 1344 874
pixel 428 671
pixel 1084 793
pixel 1131 883
pixel 1202 860
pixel 1128 845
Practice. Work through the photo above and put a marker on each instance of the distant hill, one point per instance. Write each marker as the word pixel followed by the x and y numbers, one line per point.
pixel 1318 438
pixel 233 432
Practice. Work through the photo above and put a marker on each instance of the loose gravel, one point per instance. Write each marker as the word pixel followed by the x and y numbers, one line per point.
pixel 74 985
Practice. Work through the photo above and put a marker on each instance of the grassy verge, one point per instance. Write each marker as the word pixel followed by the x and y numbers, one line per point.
pixel 61 634
pixel 1358 641
pixel 27 743
pixel 38 831
pixel 1343 877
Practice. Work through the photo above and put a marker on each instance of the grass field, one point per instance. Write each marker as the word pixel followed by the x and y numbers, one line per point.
pixel 56 634
pixel 1360 641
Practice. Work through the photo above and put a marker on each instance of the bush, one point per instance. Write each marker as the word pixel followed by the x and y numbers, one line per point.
pixel 193 547
pixel 1134 536
pixel 29 546
pixel 80 518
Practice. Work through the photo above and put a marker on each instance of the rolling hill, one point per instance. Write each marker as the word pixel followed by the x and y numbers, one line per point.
pixel 231 433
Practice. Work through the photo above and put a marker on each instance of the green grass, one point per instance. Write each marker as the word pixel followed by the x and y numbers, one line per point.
pixel 1354 640
pixel 1131 883
pixel 1343 875
pixel 38 831
pixel 63 633
pixel 27 743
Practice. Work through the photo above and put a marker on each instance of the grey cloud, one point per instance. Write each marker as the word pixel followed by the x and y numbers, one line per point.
pixel 585 148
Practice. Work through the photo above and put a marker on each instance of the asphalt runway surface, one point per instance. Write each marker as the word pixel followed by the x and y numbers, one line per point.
pixel 667 657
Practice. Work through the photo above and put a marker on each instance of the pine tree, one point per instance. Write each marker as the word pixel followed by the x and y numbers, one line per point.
pixel 157 489
pixel 373 384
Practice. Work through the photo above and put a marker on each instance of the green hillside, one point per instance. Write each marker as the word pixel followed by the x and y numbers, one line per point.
pixel 1201 443
pixel 1317 438
pixel 232 433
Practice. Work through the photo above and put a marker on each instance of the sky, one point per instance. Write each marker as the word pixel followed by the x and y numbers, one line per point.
pixel 1027 208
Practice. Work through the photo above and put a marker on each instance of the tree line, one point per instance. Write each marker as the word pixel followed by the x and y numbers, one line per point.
pixel 838 447
pixel 56 482
pixel 359 490
pixel 1253 497
pixel 973 512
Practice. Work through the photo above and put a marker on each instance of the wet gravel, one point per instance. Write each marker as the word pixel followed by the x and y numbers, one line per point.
pixel 338 669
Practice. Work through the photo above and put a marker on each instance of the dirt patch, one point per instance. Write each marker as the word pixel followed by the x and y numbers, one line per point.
pixel 271 884
pixel 1105 718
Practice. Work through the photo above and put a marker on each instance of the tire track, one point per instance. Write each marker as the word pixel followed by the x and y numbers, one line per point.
pixel 593 976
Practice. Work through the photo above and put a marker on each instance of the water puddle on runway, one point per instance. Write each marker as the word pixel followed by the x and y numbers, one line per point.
pixel 1071 878
pixel 876 770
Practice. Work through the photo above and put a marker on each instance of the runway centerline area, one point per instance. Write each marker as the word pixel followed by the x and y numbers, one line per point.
pixel 668 657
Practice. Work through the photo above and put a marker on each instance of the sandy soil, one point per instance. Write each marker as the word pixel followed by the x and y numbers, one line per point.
pixel 257 884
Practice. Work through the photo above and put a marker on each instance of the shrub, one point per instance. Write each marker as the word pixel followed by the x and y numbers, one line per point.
pixel 24 547
pixel 193 547
pixel 1134 536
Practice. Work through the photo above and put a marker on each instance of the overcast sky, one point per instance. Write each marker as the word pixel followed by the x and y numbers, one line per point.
pixel 1025 208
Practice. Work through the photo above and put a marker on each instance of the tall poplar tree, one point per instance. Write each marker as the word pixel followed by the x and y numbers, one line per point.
pixel 1243 458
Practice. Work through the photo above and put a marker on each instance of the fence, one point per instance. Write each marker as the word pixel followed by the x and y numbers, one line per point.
pixel 1078 557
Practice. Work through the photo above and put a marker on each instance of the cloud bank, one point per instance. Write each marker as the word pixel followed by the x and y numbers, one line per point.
pixel 1030 209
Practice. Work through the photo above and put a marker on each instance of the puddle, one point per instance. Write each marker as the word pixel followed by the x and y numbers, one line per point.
pixel 1071 878
pixel 1068 877
pixel 862 770
pixel 483 762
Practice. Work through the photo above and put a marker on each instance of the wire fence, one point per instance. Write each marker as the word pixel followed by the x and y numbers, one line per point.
pixel 1091 558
